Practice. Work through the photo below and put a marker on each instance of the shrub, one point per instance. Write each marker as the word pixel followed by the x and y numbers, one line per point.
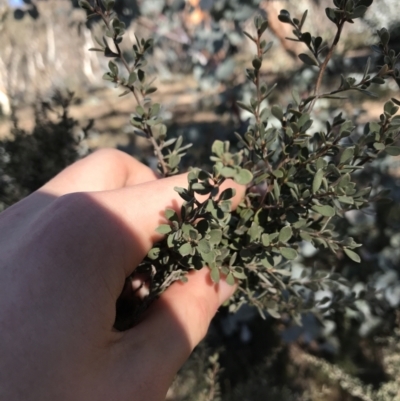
pixel 29 159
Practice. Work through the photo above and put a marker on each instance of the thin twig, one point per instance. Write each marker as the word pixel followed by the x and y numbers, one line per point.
pixel 325 63
pixel 157 148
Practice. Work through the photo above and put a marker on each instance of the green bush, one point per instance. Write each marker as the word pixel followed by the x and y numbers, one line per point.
pixel 29 159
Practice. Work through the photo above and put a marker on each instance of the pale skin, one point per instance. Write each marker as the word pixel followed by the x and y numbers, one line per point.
pixel 65 252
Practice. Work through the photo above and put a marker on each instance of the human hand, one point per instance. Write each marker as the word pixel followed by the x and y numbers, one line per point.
pixel 66 251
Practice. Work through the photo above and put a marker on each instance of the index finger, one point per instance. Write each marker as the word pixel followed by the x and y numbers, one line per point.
pixel 105 169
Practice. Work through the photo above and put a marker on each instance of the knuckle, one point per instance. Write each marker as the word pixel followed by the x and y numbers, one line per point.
pixel 71 202
pixel 73 209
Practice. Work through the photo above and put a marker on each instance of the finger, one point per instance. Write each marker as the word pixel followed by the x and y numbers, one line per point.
pixel 105 169
pixel 175 324
pixel 141 209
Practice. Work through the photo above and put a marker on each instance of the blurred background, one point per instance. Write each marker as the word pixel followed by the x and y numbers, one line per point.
pixel 55 108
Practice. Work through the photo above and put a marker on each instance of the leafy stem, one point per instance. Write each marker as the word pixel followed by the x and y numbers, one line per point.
pixel 115 32
pixel 323 66
pixel 257 80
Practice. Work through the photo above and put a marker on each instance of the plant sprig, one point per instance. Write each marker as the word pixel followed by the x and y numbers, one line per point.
pixel 299 181
pixel 146 120
pixel 345 11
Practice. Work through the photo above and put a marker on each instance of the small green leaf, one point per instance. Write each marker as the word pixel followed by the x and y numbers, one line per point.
pixel 306 59
pixel 193 234
pixel 346 199
pixel 277 112
pixel 132 78
pixel 185 249
pixel 110 5
pixel 257 62
pixel 155 109
pixel 306 38
pixel 285 234
pixel 215 274
pixel 150 90
pixel 265 240
pixel 228 172
pixel 225 206
pixel 303 119
pixel 263 27
pixel 384 36
pixel 239 273
pixel 278 173
pixel 284 17
pixel 288 253
pixel 232 259
pixel 243 177
pixel 274 313
pixel 305 236
pixel 162 131
pixel 254 232
pixel 124 93
pixel 258 20
pixel 317 181
pixel 249 36
pixel 204 246
pixel 215 236
pixel 379 145
pixel 164 229
pixel 346 155
pixel 358 12
pixel 153 122
pixel 296 96
pixel 230 279
pixel 390 108
pixel 352 255
pixel 174 160
pixel 171 215
pixel 244 106
pixel 140 110
pixel 85 5
pixel 277 190
pixel 325 210
pixel 378 80
pixel 330 13
pixel 218 148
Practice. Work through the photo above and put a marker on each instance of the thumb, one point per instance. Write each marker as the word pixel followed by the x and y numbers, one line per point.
pixel 174 325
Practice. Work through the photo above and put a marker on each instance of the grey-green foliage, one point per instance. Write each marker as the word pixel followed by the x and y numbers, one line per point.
pixel 197 381
pixel 300 181
pixel 198 378
pixel 388 391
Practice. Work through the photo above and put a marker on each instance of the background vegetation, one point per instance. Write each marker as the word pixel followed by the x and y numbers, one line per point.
pixel 199 56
